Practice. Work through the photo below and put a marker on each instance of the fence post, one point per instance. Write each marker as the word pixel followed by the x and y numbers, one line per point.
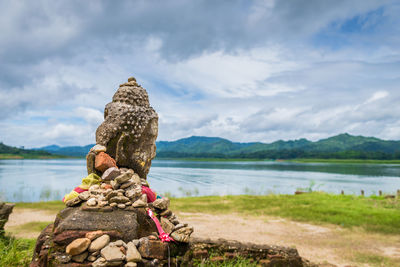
pixel 380 193
pixel 342 192
pixel 362 192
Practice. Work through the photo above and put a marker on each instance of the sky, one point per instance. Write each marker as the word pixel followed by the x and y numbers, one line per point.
pixel 242 70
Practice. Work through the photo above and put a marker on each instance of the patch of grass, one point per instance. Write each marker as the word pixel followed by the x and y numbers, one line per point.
pixel 213 159
pixel 43 205
pixel 16 252
pixel 239 262
pixel 374 259
pixel 373 214
pixel 30 227
pixel 30 156
pixel 350 161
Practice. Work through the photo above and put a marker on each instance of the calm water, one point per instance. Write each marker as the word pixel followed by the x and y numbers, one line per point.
pixel 34 180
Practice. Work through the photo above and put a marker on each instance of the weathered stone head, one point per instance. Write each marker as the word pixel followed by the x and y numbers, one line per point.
pixel 130 128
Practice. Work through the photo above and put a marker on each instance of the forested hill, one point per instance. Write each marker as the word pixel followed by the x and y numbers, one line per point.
pixel 14 152
pixel 340 146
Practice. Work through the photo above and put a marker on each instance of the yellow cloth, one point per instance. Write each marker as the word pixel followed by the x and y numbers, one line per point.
pixel 87 182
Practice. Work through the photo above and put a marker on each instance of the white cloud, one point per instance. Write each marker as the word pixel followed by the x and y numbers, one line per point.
pixel 377 96
pixel 245 71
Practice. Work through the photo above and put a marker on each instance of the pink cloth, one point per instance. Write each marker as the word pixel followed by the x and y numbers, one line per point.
pixel 164 237
pixel 151 195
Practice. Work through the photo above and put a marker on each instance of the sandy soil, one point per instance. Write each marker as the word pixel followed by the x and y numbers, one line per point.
pixel 319 244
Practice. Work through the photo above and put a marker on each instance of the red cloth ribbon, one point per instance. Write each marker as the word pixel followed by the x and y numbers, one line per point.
pixel 164 237
pixel 151 195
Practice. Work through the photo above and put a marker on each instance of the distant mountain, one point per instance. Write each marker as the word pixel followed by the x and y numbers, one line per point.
pixel 71 151
pixel 21 152
pixel 339 146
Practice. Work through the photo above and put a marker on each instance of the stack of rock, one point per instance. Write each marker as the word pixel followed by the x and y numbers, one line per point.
pixel 107 220
pixel 5 211
pixel 115 219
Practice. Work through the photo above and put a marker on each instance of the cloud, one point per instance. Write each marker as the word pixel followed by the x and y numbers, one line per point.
pixel 376 96
pixel 248 71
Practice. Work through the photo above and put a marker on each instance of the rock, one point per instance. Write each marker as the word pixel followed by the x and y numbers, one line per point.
pixel 136 242
pixel 85 195
pixel 111 174
pixel 179 226
pixel 102 203
pixel 153 236
pixel 200 254
pixel 126 184
pixel 64 258
pixel 94 188
pixel 139 204
pixel 96 253
pixel 73 202
pixel 161 203
pixel 123 178
pixel 81 257
pixel 158 250
pixel 103 161
pixel 130 264
pixel 113 204
pixel 5 211
pixel 166 225
pixel 121 206
pixel 128 119
pixel 119 199
pixel 143 198
pixel 98 148
pixel 166 213
pixel 111 194
pixel 100 262
pixel 133 193
pixel 90 162
pixel 119 243
pixel 114 184
pixel 112 253
pixel 92 202
pixel 136 179
pixel 99 243
pixel 77 246
pixel 182 234
pixel 91 258
pixel 94 234
pixel 127 225
pixel 132 254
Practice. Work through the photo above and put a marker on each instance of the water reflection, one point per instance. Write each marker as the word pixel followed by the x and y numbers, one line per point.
pixel 34 180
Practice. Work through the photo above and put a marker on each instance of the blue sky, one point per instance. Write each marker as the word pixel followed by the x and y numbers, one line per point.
pixel 246 71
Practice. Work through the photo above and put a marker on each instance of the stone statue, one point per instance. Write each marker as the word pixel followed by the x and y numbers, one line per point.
pixel 130 128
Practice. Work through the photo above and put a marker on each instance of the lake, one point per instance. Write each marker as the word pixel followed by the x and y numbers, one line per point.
pixel 35 180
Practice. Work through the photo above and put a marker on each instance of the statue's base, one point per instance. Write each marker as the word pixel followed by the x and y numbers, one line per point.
pixel 73 223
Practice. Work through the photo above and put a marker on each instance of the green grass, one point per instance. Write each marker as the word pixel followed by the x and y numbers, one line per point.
pixel 240 262
pixel 30 156
pixel 373 214
pixel 212 159
pixel 16 252
pixel 350 161
pixel 375 259
pixel 30 227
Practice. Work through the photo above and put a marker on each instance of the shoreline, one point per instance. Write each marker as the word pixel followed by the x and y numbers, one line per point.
pixel 297 160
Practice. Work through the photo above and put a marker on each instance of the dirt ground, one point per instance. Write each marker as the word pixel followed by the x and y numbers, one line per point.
pixel 319 244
